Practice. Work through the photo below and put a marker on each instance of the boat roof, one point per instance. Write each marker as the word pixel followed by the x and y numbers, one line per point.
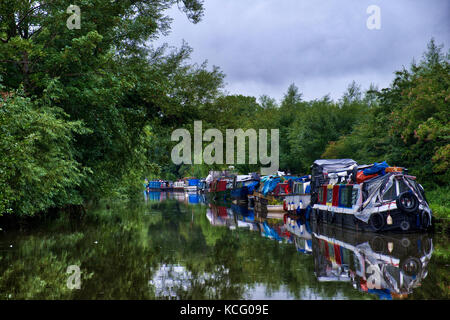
pixel 243 177
pixel 334 165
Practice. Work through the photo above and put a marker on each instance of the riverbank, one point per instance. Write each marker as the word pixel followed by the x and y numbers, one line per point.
pixel 439 200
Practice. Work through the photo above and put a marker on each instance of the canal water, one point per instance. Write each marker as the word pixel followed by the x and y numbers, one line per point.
pixel 179 246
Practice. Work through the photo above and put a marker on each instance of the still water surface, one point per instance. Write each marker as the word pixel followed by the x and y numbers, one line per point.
pixel 179 246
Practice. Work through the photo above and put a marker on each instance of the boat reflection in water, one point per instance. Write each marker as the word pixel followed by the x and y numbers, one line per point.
pixel 245 217
pixel 219 215
pixel 156 196
pixel 300 231
pixel 390 266
pixel 387 265
pixel 192 198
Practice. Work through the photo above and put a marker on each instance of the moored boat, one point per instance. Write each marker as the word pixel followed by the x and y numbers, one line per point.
pixel 220 188
pixel 178 185
pixel 270 195
pixel 190 184
pixel 299 197
pixel 370 197
pixel 166 186
pixel 243 185
pixel 154 185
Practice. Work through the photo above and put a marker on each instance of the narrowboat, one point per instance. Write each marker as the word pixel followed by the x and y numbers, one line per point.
pixel 190 184
pixel 220 189
pixel 218 185
pixel 373 197
pixel 387 265
pixel 154 185
pixel 166 186
pixel 178 185
pixel 299 196
pixel 243 185
pixel 270 194
pixel 159 185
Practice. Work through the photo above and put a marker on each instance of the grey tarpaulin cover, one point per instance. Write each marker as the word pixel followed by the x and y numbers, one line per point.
pixel 377 187
pixel 334 165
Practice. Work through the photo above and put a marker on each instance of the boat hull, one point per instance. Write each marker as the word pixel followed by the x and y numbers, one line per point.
pixel 401 222
pixel 262 203
pixel 190 189
pixel 240 194
pixel 222 195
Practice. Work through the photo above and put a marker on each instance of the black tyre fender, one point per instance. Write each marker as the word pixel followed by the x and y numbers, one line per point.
pixel 378 244
pixel 405 225
pixel 424 219
pixel 407 202
pixel 376 221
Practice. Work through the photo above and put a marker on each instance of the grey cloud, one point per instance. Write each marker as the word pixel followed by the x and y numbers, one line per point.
pixel 264 45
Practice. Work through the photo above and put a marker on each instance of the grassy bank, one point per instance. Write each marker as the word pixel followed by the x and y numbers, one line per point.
pixel 439 200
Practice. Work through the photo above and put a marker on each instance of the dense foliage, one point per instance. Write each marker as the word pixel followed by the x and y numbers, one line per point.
pixel 88 113
pixel 81 109
pixel 409 125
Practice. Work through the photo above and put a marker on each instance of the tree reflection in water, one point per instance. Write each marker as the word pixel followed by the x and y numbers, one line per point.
pixel 176 246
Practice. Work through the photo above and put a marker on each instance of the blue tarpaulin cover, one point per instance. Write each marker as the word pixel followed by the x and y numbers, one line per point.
pixel 193 182
pixel 270 182
pixel 251 186
pixel 294 178
pixel 376 168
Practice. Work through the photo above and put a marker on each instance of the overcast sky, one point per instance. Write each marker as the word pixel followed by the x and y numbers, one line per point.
pixel 320 45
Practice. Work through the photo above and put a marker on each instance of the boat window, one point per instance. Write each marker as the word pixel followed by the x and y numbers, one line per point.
pixel 390 194
pixel 300 188
pixel 345 198
pixel 354 196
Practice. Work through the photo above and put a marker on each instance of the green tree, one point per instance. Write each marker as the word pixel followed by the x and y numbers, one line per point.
pixel 38 169
pixel 407 124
